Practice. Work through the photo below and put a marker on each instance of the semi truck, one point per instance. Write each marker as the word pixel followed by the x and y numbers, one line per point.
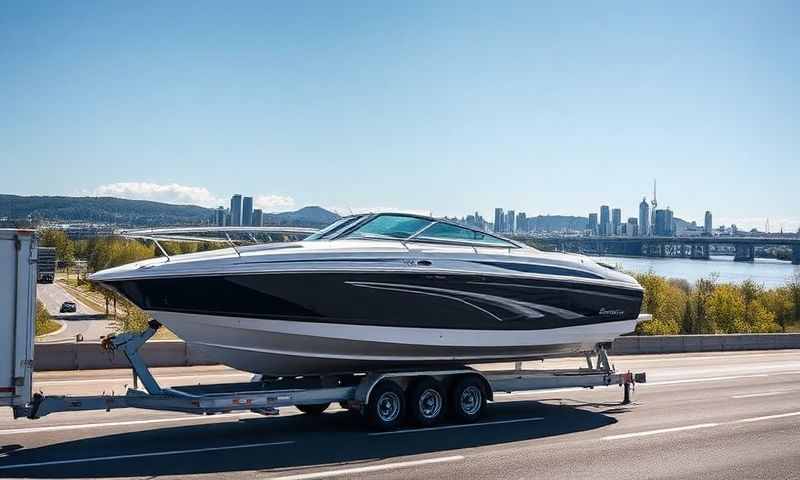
pixel 46 265
pixel 362 392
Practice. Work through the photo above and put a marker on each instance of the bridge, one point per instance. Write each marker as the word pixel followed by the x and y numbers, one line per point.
pixel 666 247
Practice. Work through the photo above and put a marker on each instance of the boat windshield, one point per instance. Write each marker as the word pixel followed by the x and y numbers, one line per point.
pixel 418 229
pixel 391 227
pixel 335 227
pixel 443 232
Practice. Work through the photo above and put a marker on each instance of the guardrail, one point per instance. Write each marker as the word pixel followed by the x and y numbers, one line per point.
pixel 175 353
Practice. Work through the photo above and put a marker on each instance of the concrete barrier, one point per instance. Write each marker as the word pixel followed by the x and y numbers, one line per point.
pixel 175 353
pixel 705 343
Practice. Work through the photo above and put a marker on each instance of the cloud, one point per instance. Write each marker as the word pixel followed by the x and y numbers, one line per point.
pixel 168 193
pixel 185 195
pixel 273 203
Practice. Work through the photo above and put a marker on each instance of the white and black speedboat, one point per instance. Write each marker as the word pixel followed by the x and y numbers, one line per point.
pixel 381 291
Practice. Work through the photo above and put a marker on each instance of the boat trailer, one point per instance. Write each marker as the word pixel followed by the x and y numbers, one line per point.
pixel 359 392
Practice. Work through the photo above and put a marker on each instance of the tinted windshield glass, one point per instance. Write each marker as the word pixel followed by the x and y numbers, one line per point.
pixel 390 226
pixel 446 231
pixel 334 227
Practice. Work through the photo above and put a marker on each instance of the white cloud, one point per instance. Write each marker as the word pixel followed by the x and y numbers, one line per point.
pixel 168 193
pixel 185 194
pixel 273 203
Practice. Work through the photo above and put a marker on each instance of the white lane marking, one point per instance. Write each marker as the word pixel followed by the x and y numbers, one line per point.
pixel 369 469
pixel 764 394
pixel 141 455
pixel 86 426
pixel 661 430
pixel 767 417
pixel 700 425
pixel 130 379
pixel 463 425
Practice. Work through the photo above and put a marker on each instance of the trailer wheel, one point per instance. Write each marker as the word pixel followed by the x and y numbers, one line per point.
pixel 386 406
pixel 468 399
pixel 426 402
pixel 313 409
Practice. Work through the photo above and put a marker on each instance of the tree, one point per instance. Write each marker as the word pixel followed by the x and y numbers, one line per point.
pixel 665 301
pixel 756 317
pixel 53 237
pixel 779 302
pixel 793 287
pixel 703 288
pixel 725 309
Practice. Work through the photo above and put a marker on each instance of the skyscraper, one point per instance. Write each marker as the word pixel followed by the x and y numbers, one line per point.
pixel 644 218
pixel 660 227
pixel 236 210
pixel 522 222
pixel 510 222
pixel 605 221
pixel 632 227
pixel 616 221
pixel 247 211
pixel 220 217
pixel 592 226
pixel 258 218
pixel 708 224
pixel 670 223
pixel 498 220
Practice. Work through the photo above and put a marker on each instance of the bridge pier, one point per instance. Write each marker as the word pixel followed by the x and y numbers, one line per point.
pixel 700 252
pixel 796 255
pixel 744 252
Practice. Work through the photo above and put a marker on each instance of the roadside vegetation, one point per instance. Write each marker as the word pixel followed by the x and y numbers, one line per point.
pixel 44 323
pixel 708 306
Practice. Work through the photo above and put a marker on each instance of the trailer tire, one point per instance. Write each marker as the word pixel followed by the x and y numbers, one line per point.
pixel 386 407
pixel 426 402
pixel 313 409
pixel 468 399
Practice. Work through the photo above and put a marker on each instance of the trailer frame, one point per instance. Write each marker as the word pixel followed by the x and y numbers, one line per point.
pixel 355 391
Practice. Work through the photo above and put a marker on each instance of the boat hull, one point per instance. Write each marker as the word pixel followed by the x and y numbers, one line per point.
pixel 304 323
pixel 281 348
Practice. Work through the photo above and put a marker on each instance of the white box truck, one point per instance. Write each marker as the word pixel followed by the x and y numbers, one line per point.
pixel 17 309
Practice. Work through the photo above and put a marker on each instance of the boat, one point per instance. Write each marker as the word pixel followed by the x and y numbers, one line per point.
pixel 381 291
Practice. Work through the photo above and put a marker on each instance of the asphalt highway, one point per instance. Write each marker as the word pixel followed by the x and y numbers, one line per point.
pixel 85 321
pixel 701 415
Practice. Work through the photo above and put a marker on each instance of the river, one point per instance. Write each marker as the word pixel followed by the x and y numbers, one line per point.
pixel 766 271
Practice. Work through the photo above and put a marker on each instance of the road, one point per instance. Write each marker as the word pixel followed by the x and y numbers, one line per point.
pixel 85 321
pixel 710 416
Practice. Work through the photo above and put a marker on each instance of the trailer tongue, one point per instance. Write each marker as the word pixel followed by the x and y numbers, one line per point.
pixel 384 398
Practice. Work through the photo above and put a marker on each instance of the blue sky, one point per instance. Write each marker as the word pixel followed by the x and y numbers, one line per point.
pixel 447 107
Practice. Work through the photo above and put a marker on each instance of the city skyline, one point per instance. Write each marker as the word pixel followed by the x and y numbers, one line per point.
pixel 536 106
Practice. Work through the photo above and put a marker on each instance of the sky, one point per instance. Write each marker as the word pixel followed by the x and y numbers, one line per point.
pixel 435 106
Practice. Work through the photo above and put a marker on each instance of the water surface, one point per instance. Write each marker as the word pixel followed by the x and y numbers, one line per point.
pixel 767 271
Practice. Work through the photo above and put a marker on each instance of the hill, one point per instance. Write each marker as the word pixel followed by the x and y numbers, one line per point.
pixel 137 213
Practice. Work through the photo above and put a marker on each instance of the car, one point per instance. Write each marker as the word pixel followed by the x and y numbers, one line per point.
pixel 68 307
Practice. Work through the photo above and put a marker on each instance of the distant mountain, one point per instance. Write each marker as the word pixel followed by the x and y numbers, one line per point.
pixel 137 213
pixel 306 217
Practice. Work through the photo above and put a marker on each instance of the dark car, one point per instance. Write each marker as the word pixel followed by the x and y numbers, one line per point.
pixel 68 307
